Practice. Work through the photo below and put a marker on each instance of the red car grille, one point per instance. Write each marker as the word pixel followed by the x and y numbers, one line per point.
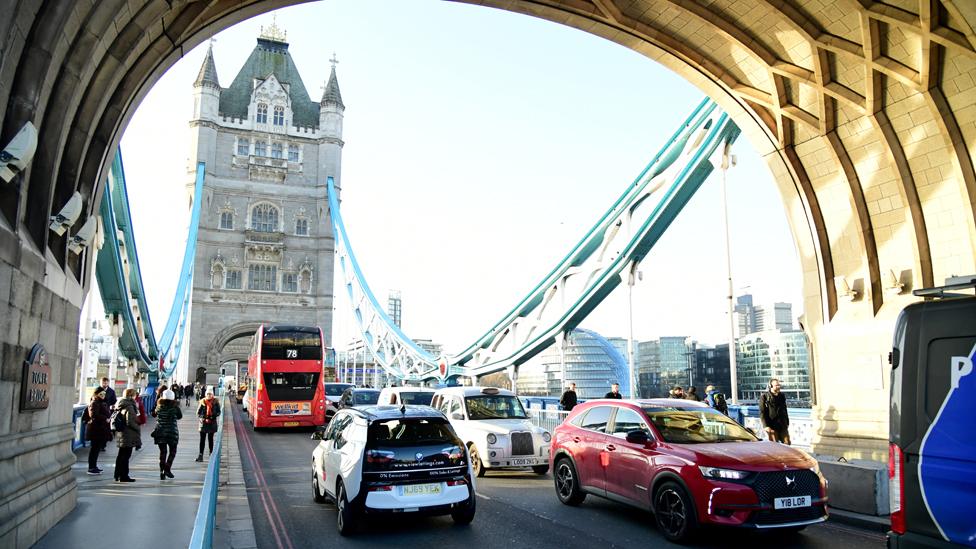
pixel 771 485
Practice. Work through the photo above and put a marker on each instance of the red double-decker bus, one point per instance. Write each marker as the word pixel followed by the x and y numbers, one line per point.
pixel 284 384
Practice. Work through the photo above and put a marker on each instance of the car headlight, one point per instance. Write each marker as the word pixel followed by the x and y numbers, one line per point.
pixel 546 436
pixel 492 438
pixel 722 474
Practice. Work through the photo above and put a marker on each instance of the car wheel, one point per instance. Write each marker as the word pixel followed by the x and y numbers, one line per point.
pixel 317 496
pixel 464 515
pixel 674 512
pixel 567 483
pixel 476 465
pixel 345 516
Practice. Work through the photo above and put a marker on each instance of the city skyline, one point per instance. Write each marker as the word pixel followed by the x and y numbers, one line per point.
pixel 560 170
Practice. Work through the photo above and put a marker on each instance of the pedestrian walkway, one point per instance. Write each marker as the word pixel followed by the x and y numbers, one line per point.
pixel 151 513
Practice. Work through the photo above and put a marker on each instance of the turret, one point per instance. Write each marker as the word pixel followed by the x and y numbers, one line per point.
pixel 206 90
pixel 331 108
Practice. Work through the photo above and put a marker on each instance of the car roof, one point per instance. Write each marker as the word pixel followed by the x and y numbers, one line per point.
pixel 382 412
pixel 409 389
pixel 473 391
pixel 648 402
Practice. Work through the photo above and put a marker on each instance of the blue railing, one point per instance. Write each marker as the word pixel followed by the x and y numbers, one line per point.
pixel 203 526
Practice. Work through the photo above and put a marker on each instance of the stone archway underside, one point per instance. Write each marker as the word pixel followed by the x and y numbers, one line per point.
pixel 864 111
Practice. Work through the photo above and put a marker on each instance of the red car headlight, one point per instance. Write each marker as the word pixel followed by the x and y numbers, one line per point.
pixel 722 474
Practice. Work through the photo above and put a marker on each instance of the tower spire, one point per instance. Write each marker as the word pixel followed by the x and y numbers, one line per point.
pixel 208 70
pixel 331 93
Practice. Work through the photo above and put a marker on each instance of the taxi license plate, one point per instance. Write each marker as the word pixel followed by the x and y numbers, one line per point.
pixel 522 462
pixel 420 489
pixel 791 502
pixel 290 424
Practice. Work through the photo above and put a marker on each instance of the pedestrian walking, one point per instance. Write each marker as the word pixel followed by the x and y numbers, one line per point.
pixel 568 399
pixel 772 411
pixel 129 435
pixel 167 433
pixel 614 392
pixel 716 400
pixel 693 394
pixel 97 428
pixel 110 397
pixel 188 392
pixel 208 411
pixel 159 396
pixel 177 390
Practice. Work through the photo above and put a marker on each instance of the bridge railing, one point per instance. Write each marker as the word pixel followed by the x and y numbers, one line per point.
pixel 802 426
pixel 203 526
pixel 547 419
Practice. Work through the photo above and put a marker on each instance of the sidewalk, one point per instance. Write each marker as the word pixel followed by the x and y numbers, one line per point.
pixel 234 529
pixel 152 513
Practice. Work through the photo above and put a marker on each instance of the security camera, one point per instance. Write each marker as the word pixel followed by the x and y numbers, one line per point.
pixel 68 215
pixel 18 153
pixel 84 236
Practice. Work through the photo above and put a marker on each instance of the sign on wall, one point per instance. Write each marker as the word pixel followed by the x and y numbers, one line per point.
pixel 36 381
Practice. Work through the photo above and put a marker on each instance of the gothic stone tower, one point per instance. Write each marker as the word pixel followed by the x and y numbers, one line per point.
pixel 265 247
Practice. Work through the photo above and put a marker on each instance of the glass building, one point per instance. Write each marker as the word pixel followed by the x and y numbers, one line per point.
pixel 592 362
pixel 774 354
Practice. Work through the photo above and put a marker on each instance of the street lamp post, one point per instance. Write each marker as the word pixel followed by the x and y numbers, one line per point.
pixel 728 160
pixel 632 277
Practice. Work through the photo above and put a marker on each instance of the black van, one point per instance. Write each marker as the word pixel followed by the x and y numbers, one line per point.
pixel 932 450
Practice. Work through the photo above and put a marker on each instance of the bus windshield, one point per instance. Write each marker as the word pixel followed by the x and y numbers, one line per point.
pixel 291 343
pixel 494 407
pixel 696 425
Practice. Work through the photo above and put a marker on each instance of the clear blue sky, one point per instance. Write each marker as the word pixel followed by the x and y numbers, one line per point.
pixel 480 145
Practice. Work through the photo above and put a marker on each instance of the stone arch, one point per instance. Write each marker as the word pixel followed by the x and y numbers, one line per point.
pixel 225 336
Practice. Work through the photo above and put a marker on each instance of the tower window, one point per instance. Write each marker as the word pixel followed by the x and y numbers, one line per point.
pixel 276 150
pixel 264 218
pixel 227 220
pixel 243 147
pixel 262 116
pixel 279 116
pixel 301 227
pixel 233 279
pixel 293 153
pixel 260 148
pixel 262 277
pixel 289 282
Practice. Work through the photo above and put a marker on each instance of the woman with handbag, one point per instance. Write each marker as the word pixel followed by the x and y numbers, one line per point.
pixel 129 436
pixel 208 412
pixel 97 428
pixel 167 432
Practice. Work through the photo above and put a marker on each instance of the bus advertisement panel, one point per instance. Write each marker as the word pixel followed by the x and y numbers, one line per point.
pixel 285 377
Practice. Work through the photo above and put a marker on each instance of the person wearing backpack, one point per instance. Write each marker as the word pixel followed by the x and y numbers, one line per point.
pixel 126 422
pixel 167 432
pixel 97 428
pixel 716 400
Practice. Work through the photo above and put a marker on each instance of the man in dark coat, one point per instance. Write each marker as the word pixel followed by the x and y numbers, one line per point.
pixel 773 413
pixel 110 397
pixel 97 428
pixel 188 392
pixel 568 400
pixel 614 392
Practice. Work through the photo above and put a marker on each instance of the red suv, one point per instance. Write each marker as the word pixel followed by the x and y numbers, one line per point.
pixel 687 463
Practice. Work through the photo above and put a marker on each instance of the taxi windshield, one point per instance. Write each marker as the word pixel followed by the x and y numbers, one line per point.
pixel 494 407
pixel 696 425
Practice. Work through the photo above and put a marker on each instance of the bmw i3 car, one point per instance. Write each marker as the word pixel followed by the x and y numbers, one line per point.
pixel 380 460
pixel 688 464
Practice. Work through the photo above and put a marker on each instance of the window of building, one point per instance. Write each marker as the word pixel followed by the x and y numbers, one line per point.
pixel 301 227
pixel 289 282
pixel 276 150
pixel 264 218
pixel 262 278
pixel 260 148
pixel 243 147
pixel 262 116
pixel 279 116
pixel 227 220
pixel 293 153
pixel 233 279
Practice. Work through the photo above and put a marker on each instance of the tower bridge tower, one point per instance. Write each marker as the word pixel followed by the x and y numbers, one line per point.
pixel 265 246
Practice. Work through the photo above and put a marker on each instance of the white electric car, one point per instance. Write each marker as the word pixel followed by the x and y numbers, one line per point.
pixel 495 428
pixel 379 460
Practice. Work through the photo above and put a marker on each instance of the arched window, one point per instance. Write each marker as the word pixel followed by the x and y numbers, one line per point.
pixel 301 227
pixel 276 150
pixel 227 220
pixel 262 117
pixel 279 116
pixel 260 148
pixel 264 218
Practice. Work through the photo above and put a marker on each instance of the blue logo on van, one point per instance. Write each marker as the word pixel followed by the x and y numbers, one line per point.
pixel 948 457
